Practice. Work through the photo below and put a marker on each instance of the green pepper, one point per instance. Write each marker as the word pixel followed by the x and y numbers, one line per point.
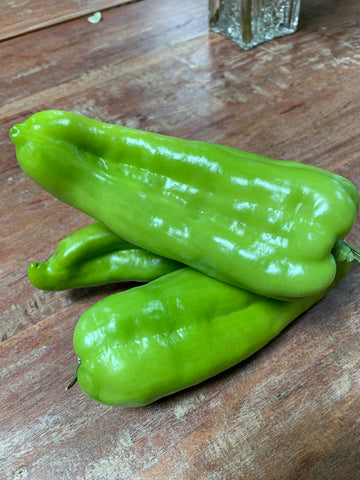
pixel 137 346
pixel 94 255
pixel 264 225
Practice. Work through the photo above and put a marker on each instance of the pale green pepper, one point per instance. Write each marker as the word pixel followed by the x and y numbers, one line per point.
pixel 137 346
pixel 267 226
pixel 93 256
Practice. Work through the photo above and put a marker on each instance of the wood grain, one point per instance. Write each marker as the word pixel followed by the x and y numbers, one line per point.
pixel 291 412
pixel 23 16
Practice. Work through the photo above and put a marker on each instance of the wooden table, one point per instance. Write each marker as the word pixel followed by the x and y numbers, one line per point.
pixel 291 412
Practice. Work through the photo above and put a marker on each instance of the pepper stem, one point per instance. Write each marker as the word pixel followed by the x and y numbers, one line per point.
pixel 355 252
pixel 74 379
pixel 344 252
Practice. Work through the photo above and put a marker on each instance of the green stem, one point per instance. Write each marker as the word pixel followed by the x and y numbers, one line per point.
pixel 74 379
pixel 355 252
pixel 344 252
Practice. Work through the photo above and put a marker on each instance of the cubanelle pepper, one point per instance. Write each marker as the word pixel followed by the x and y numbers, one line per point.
pixel 271 227
pixel 93 256
pixel 156 339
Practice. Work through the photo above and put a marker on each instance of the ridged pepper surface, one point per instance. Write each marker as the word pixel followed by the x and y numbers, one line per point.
pixel 264 225
pixel 93 256
pixel 140 345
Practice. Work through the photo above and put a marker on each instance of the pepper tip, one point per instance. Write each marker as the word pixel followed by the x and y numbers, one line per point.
pixel 15 132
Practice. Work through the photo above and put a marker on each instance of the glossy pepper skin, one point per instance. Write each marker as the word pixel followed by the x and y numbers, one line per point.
pixel 264 225
pixel 93 256
pixel 140 345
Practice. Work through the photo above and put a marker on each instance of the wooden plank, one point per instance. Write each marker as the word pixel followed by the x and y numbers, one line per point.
pixel 289 412
pixel 22 17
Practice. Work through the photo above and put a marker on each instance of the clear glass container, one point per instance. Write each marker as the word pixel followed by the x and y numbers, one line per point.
pixel 251 22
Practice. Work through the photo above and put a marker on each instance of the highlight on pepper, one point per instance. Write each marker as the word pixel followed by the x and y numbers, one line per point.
pixel 228 247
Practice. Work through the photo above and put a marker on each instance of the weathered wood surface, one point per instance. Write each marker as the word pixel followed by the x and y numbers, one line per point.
pixel 22 16
pixel 291 412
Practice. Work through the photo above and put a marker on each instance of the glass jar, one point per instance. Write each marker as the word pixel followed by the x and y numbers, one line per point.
pixel 251 22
